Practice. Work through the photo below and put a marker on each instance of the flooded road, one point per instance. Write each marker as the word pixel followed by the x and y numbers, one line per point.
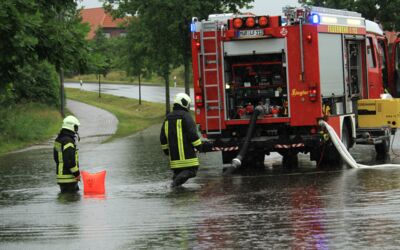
pixel 149 93
pixel 306 209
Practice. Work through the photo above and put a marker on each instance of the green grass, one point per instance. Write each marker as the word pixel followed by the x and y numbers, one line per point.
pixel 120 77
pixel 26 124
pixel 132 117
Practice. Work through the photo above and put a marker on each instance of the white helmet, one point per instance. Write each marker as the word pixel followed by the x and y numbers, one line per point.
pixel 71 123
pixel 183 100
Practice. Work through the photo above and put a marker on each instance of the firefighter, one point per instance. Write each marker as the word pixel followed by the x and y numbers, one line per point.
pixel 179 139
pixel 65 155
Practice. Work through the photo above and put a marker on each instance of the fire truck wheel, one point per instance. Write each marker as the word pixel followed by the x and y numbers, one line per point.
pixel 254 160
pixel 227 156
pixel 290 161
pixel 382 149
pixel 346 136
pixel 329 157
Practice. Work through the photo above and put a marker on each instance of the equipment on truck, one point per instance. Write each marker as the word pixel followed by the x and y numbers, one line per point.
pixel 309 65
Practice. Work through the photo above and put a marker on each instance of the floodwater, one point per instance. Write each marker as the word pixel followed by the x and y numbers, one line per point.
pixel 148 93
pixel 305 209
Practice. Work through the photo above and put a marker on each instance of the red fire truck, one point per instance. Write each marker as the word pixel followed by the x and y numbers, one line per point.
pixel 262 83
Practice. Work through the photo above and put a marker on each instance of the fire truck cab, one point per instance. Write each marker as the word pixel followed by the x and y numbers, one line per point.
pixel 310 64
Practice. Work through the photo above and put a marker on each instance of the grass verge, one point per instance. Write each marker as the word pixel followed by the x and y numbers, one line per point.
pixel 120 77
pixel 132 117
pixel 26 124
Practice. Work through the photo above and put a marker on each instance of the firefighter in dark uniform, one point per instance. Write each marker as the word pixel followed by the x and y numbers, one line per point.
pixel 179 139
pixel 66 156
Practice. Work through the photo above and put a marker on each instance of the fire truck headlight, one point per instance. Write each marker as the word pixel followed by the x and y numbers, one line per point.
pixel 315 19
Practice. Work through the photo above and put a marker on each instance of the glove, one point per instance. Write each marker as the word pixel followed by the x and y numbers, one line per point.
pixel 205 147
pixel 166 151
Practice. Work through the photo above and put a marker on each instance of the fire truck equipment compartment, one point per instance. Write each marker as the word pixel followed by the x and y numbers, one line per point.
pixel 250 47
pixel 375 113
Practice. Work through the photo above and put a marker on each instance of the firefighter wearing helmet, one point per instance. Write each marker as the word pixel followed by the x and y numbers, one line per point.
pixel 65 155
pixel 179 139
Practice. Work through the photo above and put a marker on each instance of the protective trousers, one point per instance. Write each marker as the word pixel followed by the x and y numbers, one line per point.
pixel 69 187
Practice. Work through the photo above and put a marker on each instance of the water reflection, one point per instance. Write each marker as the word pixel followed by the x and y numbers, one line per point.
pixel 303 209
pixel 66 198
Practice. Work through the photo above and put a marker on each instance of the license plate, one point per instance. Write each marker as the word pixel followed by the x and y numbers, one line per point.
pixel 250 33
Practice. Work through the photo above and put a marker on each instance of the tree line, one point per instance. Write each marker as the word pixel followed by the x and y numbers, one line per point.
pixel 43 38
pixel 385 12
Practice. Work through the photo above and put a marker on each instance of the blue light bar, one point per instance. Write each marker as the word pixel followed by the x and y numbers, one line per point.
pixel 193 27
pixel 315 19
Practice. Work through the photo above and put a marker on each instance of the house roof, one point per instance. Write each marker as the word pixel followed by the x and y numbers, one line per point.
pixel 97 17
pixel 392 36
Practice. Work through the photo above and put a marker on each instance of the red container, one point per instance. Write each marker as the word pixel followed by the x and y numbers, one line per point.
pixel 93 183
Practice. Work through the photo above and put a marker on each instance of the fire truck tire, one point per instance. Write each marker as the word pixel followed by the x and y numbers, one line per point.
pixel 254 160
pixel 330 157
pixel 290 161
pixel 346 140
pixel 227 156
pixel 382 149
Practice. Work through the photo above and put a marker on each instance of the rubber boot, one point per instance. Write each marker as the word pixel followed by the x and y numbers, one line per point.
pixel 182 177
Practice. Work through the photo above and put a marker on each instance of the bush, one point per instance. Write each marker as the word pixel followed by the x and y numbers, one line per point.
pixel 24 124
pixel 38 83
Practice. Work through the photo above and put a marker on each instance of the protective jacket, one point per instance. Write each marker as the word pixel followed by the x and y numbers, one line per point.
pixel 179 138
pixel 65 155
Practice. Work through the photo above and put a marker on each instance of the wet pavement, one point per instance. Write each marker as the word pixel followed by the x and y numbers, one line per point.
pixel 96 124
pixel 274 209
pixel 149 93
pixel 303 209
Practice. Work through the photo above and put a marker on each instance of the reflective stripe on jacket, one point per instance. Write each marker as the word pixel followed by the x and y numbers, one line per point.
pixel 179 137
pixel 66 157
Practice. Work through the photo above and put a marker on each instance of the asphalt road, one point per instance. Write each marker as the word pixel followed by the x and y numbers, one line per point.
pixel 149 93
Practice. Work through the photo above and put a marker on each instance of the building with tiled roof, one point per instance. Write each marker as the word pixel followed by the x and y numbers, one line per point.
pixel 392 36
pixel 98 18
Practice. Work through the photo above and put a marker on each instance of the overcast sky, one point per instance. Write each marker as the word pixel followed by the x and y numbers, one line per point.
pixel 265 7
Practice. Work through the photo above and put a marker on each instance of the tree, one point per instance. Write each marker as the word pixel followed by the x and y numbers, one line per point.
pixel 383 11
pixel 18 24
pixel 185 10
pixel 166 30
pixel 136 52
pixel 99 60
pixel 38 35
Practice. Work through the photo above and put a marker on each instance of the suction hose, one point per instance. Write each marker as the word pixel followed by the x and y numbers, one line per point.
pixel 237 161
pixel 341 148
